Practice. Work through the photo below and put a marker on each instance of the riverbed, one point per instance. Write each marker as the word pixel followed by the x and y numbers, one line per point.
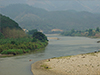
pixel 64 46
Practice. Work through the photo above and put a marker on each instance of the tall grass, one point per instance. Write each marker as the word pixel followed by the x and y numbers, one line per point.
pixel 20 45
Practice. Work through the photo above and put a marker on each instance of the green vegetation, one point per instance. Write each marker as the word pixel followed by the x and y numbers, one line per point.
pixel 13 39
pixel 30 32
pixel 1 35
pixel 45 66
pixel 10 29
pixel 14 51
pixel 40 36
pixel 87 33
pixel 7 22
pixel 20 45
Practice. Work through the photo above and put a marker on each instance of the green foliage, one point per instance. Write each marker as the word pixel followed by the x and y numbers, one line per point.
pixel 7 22
pixel 14 51
pixel 20 45
pixel 40 36
pixel 32 31
pixel 9 28
pixel 88 33
pixel 34 39
pixel 1 35
pixel 16 41
pixel 97 29
pixel 12 42
pixel 72 31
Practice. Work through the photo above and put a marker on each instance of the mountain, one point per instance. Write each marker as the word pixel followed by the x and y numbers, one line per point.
pixel 19 9
pixel 29 17
pixel 79 5
pixel 54 5
pixel 9 28
pixel 7 22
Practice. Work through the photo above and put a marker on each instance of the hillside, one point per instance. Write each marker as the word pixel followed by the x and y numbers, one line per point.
pixel 29 17
pixel 9 28
pixel 7 22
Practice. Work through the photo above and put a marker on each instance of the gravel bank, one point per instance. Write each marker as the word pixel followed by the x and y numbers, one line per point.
pixel 83 64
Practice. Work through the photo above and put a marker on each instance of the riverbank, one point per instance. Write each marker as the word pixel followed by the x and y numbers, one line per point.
pixel 83 64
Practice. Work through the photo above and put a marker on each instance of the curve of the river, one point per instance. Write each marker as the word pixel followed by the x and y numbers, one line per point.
pixel 20 65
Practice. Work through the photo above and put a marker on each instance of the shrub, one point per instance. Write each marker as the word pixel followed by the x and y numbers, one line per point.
pixel 1 35
pixel 40 36
pixel 34 39
pixel 12 42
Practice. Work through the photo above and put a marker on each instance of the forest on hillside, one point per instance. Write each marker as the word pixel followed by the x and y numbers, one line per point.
pixel 13 40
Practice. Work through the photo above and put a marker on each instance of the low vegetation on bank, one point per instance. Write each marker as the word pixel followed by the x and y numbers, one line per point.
pixel 22 45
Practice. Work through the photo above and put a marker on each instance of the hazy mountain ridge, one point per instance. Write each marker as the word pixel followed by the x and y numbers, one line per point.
pixel 21 9
pixel 30 17
pixel 54 5
pixel 79 5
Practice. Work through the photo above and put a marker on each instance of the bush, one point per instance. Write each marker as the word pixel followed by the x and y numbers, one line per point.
pixel 40 36
pixel 1 35
pixel 12 42
pixel 34 39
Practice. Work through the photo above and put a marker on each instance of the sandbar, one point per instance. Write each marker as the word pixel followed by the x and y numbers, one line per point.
pixel 82 64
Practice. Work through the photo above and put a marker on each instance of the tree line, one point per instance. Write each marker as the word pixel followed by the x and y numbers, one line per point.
pixel 87 32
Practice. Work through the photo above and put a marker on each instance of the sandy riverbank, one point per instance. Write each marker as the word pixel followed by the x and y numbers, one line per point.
pixel 83 64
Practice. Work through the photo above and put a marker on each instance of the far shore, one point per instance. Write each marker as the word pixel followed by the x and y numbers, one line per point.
pixel 82 64
pixel 53 38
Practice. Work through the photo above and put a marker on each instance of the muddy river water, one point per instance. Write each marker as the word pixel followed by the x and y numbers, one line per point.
pixel 64 46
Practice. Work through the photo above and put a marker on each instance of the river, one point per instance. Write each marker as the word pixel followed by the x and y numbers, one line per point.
pixel 20 65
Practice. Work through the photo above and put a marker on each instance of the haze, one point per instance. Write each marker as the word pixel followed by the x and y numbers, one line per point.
pixel 52 5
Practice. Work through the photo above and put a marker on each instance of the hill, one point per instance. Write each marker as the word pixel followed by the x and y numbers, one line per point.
pixel 9 28
pixel 29 17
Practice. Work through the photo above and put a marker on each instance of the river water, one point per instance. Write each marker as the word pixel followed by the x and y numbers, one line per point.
pixel 20 65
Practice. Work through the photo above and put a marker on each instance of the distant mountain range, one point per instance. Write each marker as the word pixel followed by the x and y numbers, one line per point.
pixel 54 5
pixel 29 17
pixel 78 5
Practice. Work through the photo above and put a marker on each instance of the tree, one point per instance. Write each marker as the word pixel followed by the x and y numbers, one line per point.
pixel 32 31
pixel 40 36
pixel 72 31
pixel 1 35
pixel 91 32
pixel 97 29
